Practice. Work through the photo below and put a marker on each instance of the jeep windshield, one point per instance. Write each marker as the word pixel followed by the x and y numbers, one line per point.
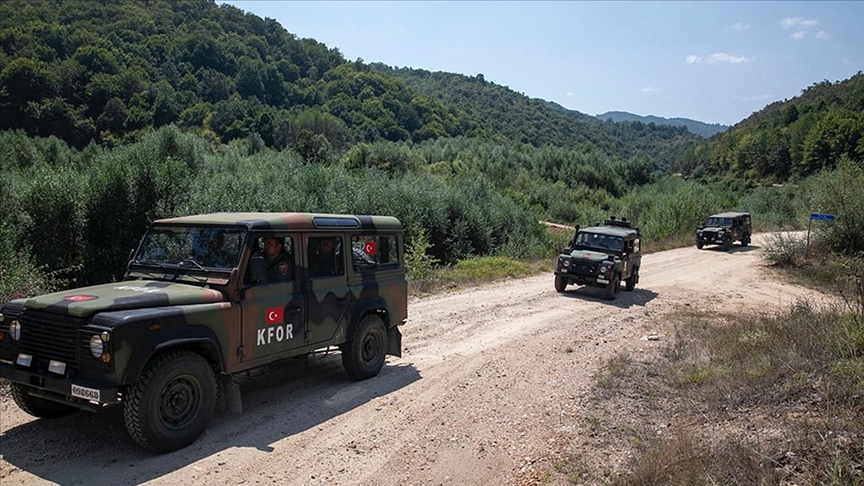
pixel 198 248
pixel 599 242
pixel 718 222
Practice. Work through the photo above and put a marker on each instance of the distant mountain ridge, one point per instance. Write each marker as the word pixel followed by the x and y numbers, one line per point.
pixel 699 128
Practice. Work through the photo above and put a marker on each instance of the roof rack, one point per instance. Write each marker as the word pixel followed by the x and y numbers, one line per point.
pixel 623 223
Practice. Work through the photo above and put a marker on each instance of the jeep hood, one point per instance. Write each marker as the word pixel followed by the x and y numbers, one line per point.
pixel 714 228
pixel 593 256
pixel 134 294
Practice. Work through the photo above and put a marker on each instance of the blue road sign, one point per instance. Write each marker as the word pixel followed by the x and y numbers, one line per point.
pixel 822 217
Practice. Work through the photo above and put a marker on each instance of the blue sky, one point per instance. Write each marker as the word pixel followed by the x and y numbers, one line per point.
pixel 716 62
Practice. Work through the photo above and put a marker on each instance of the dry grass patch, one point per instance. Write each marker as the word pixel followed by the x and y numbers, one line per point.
pixel 734 400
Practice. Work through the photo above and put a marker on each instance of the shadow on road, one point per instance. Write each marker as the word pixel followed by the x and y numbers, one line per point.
pixel 625 299
pixel 734 249
pixel 93 449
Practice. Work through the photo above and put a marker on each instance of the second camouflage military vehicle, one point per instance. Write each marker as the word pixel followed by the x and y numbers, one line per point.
pixel 202 301
pixel 724 229
pixel 601 256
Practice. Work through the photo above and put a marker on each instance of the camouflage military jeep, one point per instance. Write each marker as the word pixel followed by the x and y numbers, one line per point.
pixel 201 302
pixel 724 229
pixel 601 256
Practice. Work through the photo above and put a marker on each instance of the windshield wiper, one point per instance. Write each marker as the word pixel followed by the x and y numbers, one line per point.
pixel 192 261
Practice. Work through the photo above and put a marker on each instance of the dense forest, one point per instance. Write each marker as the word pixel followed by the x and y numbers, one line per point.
pixel 115 113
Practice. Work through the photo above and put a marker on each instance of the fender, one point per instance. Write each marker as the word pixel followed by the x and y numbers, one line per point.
pixel 134 342
pixel 363 307
pixel 378 306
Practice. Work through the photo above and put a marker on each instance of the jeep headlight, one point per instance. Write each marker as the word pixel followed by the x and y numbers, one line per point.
pixel 15 329
pixel 603 269
pixel 97 344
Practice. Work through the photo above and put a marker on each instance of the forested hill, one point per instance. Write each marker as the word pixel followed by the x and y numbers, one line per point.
pixel 109 71
pixel 538 122
pixel 699 128
pixel 790 139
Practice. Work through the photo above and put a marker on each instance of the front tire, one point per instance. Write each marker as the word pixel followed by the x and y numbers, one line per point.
pixel 612 288
pixel 37 406
pixel 727 243
pixel 699 244
pixel 631 280
pixel 172 403
pixel 363 355
pixel 560 283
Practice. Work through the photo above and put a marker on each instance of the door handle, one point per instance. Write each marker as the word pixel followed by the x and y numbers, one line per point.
pixel 292 310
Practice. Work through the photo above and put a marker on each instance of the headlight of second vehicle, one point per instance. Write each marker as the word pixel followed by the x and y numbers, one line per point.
pixel 15 329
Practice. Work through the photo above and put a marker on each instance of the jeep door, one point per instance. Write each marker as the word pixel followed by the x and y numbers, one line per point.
pixel 326 288
pixel 273 310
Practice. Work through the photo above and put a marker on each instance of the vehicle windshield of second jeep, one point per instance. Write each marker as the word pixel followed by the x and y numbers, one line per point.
pixel 724 222
pixel 599 242
pixel 195 247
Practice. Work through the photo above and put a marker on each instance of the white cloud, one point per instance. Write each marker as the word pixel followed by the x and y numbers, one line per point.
pixel 719 57
pixel 822 35
pixel 798 23
pixel 569 94
pixel 740 26
pixel 798 35
pixel 649 89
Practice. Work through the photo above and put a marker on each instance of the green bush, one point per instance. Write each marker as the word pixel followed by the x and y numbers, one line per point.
pixel 784 249
pixel 839 192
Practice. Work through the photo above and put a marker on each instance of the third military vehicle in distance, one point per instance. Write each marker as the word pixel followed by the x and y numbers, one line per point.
pixel 724 229
pixel 601 256
pixel 206 298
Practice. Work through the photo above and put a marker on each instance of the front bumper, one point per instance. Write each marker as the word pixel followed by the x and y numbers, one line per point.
pixel 581 279
pixel 60 389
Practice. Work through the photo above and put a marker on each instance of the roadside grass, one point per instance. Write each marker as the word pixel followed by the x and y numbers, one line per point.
pixel 425 277
pixel 475 271
pixel 767 399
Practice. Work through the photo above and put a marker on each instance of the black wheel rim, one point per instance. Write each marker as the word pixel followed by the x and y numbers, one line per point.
pixel 179 403
pixel 371 348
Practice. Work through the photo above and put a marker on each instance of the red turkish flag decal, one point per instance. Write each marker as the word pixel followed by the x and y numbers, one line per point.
pixel 79 298
pixel 369 248
pixel 274 315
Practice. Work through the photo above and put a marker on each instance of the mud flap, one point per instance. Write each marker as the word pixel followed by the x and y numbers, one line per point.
pixel 394 342
pixel 229 394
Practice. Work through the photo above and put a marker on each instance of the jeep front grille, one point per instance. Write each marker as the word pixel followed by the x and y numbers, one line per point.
pixel 49 336
pixel 583 268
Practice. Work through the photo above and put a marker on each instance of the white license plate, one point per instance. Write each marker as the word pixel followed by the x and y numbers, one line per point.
pixel 85 393
pixel 602 280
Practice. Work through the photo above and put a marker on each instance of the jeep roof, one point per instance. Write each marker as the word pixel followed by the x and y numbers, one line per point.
pixel 612 227
pixel 292 221
pixel 729 215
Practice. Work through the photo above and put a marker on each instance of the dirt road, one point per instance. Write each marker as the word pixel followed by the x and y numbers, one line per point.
pixel 488 392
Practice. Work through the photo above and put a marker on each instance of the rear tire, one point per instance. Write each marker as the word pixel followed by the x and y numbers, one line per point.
pixel 38 406
pixel 560 283
pixel 745 240
pixel 363 355
pixel 172 403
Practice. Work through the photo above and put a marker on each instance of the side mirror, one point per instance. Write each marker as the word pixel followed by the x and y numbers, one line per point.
pixel 256 263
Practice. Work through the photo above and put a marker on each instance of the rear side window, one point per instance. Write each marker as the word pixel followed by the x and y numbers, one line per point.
pixel 371 253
